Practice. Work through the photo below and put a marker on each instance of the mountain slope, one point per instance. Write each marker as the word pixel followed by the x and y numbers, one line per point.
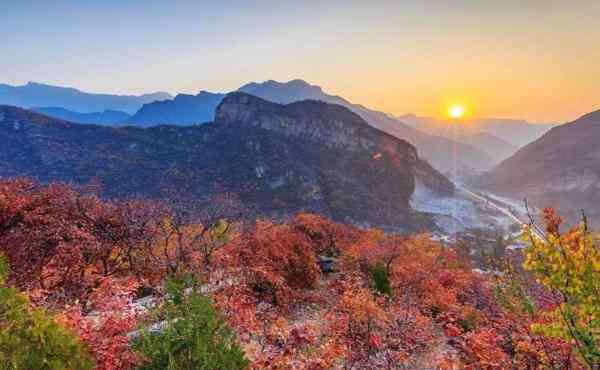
pixel 41 95
pixel 560 169
pixel 306 156
pixel 107 117
pixel 495 147
pixel 182 111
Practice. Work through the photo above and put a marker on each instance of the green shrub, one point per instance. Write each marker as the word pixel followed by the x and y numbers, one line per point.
pixel 193 336
pixel 30 338
pixel 381 279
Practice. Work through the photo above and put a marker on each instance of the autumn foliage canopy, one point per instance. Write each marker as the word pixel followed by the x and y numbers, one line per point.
pixel 99 269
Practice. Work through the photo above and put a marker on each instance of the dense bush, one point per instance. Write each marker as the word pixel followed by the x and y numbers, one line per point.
pixel 381 279
pixel 30 338
pixel 277 260
pixel 191 336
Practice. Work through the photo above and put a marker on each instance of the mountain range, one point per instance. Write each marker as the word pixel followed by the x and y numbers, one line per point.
pixel 41 95
pixel 474 147
pixel 183 110
pixel 560 169
pixel 107 117
pixel 443 153
pixel 278 159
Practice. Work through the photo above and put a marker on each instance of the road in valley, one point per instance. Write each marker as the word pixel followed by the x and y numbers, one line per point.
pixel 503 210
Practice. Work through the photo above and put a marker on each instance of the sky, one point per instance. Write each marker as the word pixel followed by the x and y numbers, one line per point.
pixel 532 59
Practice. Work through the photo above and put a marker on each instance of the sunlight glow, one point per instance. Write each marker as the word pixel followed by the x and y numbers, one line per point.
pixel 456 111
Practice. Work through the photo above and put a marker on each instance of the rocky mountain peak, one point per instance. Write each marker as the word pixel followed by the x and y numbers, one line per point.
pixel 329 124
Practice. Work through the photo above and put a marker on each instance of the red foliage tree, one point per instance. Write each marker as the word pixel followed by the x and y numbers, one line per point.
pixel 61 244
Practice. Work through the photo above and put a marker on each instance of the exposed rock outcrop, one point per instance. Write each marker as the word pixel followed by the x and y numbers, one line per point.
pixel 331 125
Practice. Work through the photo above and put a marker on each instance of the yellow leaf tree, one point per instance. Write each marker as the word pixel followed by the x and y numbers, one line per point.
pixel 568 265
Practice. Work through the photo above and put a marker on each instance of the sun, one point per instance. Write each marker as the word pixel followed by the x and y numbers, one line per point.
pixel 456 111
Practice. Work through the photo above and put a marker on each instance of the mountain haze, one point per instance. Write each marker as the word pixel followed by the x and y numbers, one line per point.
pixel 516 132
pixel 471 132
pixel 183 110
pixel 107 117
pixel 41 95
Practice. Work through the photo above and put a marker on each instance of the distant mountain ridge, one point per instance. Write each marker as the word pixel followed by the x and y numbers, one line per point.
pixel 560 169
pixel 41 95
pixel 183 110
pixel 515 132
pixel 278 159
pixel 107 117
pixel 471 132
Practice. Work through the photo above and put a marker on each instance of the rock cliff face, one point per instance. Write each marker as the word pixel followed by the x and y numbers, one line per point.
pixel 277 160
pixel 331 125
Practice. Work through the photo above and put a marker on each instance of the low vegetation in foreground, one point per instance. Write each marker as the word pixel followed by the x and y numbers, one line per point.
pixel 88 283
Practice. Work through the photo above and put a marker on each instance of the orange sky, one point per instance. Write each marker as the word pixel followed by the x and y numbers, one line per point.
pixel 532 59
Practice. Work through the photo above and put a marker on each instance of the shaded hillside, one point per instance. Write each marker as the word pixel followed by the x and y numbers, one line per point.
pixel 41 95
pixel 561 169
pixel 306 156
pixel 107 117
pixel 182 111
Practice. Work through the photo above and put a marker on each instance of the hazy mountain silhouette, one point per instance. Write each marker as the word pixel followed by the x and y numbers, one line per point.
pixel 278 159
pixel 108 117
pixel 472 132
pixel 183 110
pixel 560 169
pixel 515 132
pixel 41 95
